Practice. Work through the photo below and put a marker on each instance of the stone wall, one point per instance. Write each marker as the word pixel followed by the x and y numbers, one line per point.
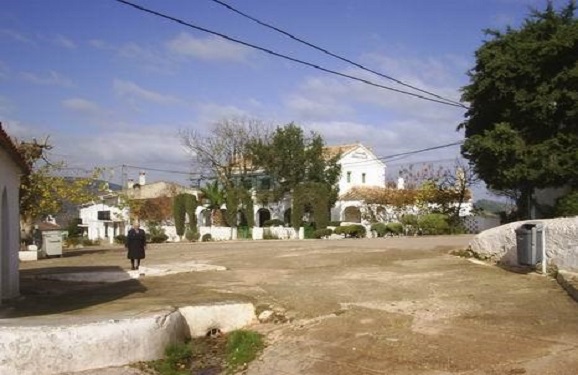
pixel 561 238
pixel 219 233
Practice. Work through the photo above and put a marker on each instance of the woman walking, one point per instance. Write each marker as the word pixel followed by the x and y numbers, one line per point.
pixel 135 244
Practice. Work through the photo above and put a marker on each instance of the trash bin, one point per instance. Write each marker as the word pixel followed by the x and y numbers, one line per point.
pixel 529 243
pixel 52 243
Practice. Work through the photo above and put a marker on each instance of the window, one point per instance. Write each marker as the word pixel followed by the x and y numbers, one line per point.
pixel 348 176
pixel 363 178
pixel 103 215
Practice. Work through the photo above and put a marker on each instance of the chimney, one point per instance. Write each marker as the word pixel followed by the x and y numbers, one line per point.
pixel 141 178
pixel 130 183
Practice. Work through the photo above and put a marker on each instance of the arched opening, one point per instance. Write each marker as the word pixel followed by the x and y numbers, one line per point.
pixel 263 215
pixel 352 214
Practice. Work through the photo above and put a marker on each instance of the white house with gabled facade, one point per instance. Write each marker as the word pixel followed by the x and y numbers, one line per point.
pixel 12 167
pixel 360 167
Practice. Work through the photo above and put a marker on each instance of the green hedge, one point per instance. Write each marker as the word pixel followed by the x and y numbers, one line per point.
pixel 379 228
pixel 351 231
pixel 434 224
pixel 321 233
pixel 273 223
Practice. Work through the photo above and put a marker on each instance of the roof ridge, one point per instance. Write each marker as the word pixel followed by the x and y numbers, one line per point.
pixel 13 151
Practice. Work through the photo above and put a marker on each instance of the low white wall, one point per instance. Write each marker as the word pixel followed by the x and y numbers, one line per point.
pixel 226 317
pixel 219 233
pixel 51 350
pixel 56 349
pixel 282 233
pixel 561 235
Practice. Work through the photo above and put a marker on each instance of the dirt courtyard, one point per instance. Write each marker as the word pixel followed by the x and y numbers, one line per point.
pixel 359 306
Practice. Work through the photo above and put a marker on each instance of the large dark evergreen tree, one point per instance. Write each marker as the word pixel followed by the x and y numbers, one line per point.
pixel 522 126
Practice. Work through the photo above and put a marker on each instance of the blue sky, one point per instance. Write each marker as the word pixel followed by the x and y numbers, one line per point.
pixel 111 85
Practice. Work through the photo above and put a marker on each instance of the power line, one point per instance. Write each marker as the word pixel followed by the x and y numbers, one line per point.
pixel 271 52
pixel 332 54
pixel 161 170
pixel 408 153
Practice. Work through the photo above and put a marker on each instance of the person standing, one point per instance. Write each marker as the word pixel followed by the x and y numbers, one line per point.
pixel 135 244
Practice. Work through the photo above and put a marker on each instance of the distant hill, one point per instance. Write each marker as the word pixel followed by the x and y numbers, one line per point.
pixel 492 206
pixel 70 211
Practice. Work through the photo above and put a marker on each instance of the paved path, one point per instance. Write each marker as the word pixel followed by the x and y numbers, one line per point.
pixel 375 306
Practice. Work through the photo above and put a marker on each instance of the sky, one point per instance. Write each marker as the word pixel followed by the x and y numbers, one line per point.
pixel 111 85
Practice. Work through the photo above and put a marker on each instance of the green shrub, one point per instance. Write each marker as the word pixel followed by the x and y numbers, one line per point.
pixel 567 205
pixel 207 237
pixel 308 229
pixel 410 224
pixel 243 346
pixel 434 224
pixel 120 239
pixel 409 219
pixel 87 242
pixel 394 228
pixel 321 233
pixel 351 231
pixel 379 228
pixel 73 241
pixel 159 238
pixel 156 233
pixel 177 360
pixel 273 223
pixel 244 232
pixel 191 235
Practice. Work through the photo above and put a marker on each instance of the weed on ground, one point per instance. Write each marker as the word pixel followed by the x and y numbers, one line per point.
pixel 211 355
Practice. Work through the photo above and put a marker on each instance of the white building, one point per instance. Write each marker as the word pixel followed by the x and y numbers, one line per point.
pixel 360 167
pixel 103 219
pixel 106 217
pixel 12 167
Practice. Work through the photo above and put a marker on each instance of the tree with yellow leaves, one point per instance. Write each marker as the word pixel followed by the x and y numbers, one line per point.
pixel 44 190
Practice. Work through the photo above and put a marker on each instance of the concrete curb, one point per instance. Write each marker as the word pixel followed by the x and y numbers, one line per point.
pixel 57 349
pixel 569 281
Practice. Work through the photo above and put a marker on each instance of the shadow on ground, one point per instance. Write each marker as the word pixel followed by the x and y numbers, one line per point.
pixel 43 297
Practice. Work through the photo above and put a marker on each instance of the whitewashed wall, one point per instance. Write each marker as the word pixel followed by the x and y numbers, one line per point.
pixel 219 233
pixel 358 162
pixel 9 226
pixel 561 236
pixel 96 230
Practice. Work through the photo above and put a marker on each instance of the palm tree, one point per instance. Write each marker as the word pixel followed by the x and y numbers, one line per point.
pixel 215 198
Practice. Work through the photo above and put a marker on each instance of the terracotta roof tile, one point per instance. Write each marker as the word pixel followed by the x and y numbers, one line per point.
pixel 331 151
pixel 7 144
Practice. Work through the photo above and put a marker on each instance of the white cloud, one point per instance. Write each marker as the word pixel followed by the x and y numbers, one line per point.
pixel 132 91
pixel 63 42
pixel 52 78
pixel 16 36
pixel 211 48
pixel 208 113
pixel 83 106
pixel 147 57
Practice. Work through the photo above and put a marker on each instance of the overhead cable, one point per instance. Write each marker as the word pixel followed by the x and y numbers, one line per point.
pixel 286 57
pixel 332 54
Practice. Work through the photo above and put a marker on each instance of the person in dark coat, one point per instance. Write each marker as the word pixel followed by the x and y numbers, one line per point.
pixel 135 244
